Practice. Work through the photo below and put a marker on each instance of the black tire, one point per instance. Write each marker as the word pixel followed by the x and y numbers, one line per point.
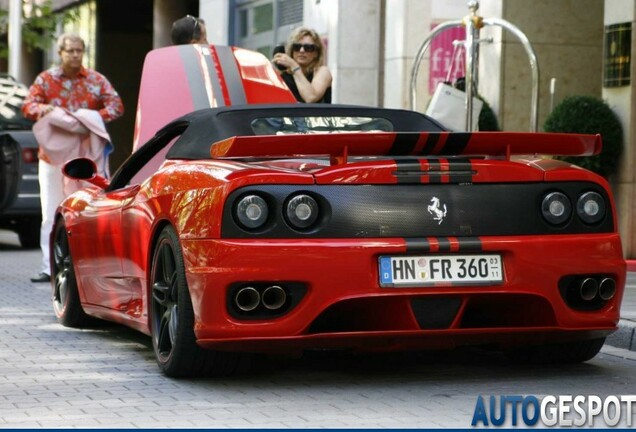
pixel 29 234
pixel 563 353
pixel 172 318
pixel 66 302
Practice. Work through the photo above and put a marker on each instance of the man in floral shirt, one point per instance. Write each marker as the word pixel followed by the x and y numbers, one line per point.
pixel 69 86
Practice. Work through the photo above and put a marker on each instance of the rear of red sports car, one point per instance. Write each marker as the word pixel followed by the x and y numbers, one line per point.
pixel 279 228
pixel 346 236
pixel 410 253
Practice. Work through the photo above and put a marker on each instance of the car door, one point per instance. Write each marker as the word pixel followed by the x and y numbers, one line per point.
pixel 9 169
pixel 97 241
pixel 137 212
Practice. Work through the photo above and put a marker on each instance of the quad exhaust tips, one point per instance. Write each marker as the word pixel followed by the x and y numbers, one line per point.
pixel 274 297
pixel 587 292
pixel 248 299
pixel 590 288
pixel 607 289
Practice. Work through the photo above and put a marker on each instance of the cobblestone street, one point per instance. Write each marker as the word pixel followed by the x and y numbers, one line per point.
pixel 54 377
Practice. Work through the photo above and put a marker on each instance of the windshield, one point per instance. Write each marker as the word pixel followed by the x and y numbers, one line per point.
pixel 322 124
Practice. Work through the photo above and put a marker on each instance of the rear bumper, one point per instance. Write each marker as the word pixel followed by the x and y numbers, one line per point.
pixel 404 340
pixel 344 306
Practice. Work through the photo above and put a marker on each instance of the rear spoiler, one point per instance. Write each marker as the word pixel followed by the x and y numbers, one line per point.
pixel 340 145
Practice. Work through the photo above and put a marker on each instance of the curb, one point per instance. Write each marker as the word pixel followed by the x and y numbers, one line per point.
pixel 631 265
pixel 624 337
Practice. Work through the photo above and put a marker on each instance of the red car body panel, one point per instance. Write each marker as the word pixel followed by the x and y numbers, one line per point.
pixel 342 304
pixel 185 78
pixel 343 276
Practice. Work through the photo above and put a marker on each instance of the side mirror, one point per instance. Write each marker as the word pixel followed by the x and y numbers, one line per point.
pixel 84 169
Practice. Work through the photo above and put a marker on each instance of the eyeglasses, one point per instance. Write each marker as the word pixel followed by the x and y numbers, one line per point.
pixel 307 47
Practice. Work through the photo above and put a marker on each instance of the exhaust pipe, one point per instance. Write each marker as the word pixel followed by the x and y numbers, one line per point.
pixel 607 289
pixel 588 289
pixel 247 299
pixel 274 297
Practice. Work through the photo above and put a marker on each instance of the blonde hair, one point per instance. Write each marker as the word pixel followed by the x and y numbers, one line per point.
pixel 299 33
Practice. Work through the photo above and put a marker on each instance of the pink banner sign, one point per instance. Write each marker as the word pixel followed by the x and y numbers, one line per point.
pixel 441 55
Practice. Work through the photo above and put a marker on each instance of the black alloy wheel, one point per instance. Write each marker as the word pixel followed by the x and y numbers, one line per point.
pixel 172 317
pixel 66 301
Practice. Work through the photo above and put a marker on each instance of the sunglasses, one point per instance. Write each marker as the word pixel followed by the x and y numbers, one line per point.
pixel 196 24
pixel 307 47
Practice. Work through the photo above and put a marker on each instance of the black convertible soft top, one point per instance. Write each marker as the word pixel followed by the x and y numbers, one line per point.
pixel 198 130
pixel 207 126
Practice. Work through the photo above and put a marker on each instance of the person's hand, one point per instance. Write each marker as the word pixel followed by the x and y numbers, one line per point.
pixel 284 60
pixel 45 109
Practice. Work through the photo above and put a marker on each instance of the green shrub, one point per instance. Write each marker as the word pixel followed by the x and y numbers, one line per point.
pixel 589 115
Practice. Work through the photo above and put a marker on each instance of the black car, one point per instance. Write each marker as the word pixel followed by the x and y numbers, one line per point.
pixel 19 188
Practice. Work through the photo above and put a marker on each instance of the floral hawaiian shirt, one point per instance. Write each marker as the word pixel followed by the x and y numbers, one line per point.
pixel 89 90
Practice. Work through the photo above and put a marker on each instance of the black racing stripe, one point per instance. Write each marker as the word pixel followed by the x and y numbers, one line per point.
pixel 232 75
pixel 408 170
pixel 469 244
pixel 431 142
pixel 196 83
pixel 414 245
pixel 461 170
pixel 434 167
pixel 466 244
pixel 444 244
pixel 404 144
pixel 456 143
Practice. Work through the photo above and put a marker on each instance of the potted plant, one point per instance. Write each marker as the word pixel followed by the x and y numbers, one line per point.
pixel 589 115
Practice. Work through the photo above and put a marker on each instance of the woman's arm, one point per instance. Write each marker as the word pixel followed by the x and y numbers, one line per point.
pixel 313 91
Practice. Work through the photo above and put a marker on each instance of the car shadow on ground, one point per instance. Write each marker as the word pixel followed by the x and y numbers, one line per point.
pixel 9 242
pixel 481 363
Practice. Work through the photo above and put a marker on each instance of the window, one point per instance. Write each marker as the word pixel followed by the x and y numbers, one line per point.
pixel 260 25
pixel 323 124
pixel 243 23
pixel 263 18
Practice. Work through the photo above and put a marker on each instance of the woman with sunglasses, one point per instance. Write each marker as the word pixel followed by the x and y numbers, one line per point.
pixel 303 67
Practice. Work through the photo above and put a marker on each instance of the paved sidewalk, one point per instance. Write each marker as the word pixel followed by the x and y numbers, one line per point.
pixel 106 377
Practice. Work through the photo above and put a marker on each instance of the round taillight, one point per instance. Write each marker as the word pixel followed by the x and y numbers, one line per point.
pixel 29 155
pixel 556 208
pixel 591 207
pixel 302 211
pixel 251 211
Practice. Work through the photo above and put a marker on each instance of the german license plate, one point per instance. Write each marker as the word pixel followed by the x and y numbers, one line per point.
pixel 398 271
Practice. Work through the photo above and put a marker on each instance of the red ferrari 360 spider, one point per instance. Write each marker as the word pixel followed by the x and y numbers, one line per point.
pixel 247 228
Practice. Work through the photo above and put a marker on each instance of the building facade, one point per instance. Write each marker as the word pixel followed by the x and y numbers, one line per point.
pixel 371 49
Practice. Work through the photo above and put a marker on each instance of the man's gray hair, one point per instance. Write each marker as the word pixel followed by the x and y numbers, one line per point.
pixel 73 37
